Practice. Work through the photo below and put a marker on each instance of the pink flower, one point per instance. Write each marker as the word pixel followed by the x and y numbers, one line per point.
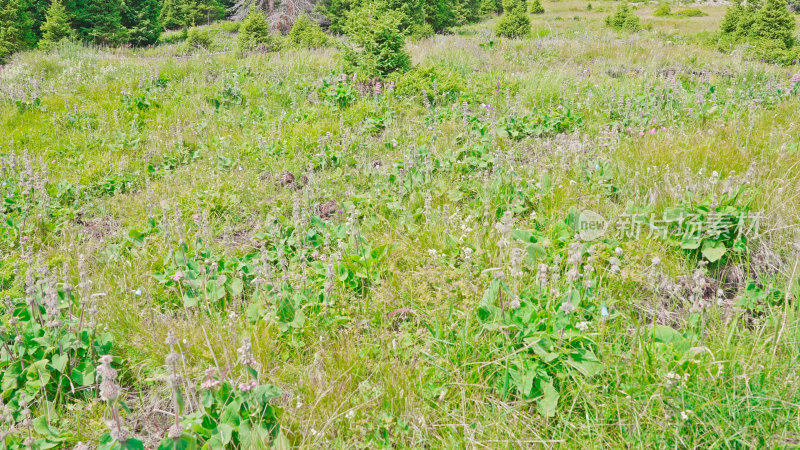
pixel 248 386
pixel 641 133
pixel 653 131
pixel 663 128
pixel 178 275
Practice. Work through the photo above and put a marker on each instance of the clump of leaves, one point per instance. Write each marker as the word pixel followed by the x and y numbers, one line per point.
pixel 691 12
pixel 713 228
pixel 433 81
pixel 539 123
pixel 203 278
pixel 49 347
pixel 231 416
pixel 624 19
pixel 663 10
pixel 337 92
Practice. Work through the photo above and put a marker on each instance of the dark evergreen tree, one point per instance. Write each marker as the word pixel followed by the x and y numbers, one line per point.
pixel 35 10
pixel 171 16
pixel 140 19
pixel 105 22
pixel 14 27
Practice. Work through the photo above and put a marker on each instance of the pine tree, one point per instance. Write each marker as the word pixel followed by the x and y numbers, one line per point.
pixel 774 22
pixel 13 28
pixel 140 18
pixel 106 28
pixel 34 11
pixel 255 33
pixel 98 21
pixel 536 7
pixel 171 17
pixel 56 26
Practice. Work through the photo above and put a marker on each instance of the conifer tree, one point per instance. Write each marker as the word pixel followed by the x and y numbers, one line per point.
pixel 56 26
pixel 171 17
pixel 106 27
pixel 255 32
pixel 140 18
pixel 774 22
pixel 13 28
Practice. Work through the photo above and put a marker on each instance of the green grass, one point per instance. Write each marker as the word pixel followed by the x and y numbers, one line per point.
pixel 415 348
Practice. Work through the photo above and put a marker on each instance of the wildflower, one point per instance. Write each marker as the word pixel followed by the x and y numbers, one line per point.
pixel 246 353
pixel 567 307
pixel 583 325
pixel 656 260
pixel 109 390
pixel 653 131
pixel 178 276
pixel 685 414
pixel 248 386
pixel 467 254
pixel 210 382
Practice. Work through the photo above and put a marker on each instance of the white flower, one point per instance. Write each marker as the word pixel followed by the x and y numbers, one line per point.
pixel 583 326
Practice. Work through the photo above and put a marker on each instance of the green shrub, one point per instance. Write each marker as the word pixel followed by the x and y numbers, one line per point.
pixel 490 7
pixel 230 26
pixel 197 38
pixel 378 45
pixel 435 81
pixel 691 12
pixel 536 7
pixel 624 20
pixel 663 10
pixel 255 34
pixel 769 29
pixel 306 33
pixel 515 22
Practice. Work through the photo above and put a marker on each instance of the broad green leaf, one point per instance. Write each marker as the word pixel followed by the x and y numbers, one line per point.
pixel 713 251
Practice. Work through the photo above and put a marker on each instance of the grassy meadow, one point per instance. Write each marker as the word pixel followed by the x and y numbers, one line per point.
pixel 399 263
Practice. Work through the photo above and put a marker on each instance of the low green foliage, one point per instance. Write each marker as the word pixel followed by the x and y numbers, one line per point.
pixel 624 19
pixel 48 355
pixel 663 10
pixel 536 7
pixel 690 12
pixel 197 38
pixel 515 22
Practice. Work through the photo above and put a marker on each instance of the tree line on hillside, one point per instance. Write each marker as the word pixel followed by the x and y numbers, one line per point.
pixel 27 24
